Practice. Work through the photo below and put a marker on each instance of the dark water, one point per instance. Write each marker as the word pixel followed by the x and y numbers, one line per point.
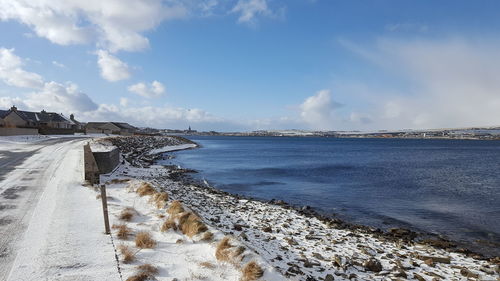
pixel 449 187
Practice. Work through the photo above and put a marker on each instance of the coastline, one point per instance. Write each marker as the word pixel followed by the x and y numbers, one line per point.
pixel 301 242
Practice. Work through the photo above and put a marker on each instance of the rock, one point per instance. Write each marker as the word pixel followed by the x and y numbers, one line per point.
pixel 469 274
pixel 418 277
pixel 401 273
pixel 329 277
pixel 238 227
pixel 446 260
pixel 291 241
pixel 267 229
pixel 373 265
pixel 318 256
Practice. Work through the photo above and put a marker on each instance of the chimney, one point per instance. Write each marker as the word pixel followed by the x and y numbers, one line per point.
pixel 72 117
pixel 13 108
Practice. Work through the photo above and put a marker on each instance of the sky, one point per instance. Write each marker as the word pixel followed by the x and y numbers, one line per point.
pixel 242 65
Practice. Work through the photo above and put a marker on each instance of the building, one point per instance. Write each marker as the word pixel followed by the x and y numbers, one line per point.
pixel 117 128
pixel 44 122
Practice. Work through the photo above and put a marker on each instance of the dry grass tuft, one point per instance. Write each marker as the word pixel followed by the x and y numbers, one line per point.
pixel 127 254
pixel 207 264
pixel 123 231
pixel 145 188
pixel 160 199
pixel 143 240
pixel 251 271
pixel 175 208
pixel 238 252
pixel 139 277
pixel 119 180
pixel 144 272
pixel 207 236
pixel 223 250
pixel 127 214
pixel 168 224
pixel 148 268
pixel 190 224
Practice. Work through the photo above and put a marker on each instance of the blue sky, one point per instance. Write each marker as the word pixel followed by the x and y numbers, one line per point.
pixel 255 64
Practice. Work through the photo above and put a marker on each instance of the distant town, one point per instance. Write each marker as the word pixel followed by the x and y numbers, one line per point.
pixel 19 122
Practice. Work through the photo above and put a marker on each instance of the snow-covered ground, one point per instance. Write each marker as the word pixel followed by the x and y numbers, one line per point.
pixel 27 139
pixel 52 225
pixel 172 148
pixel 175 255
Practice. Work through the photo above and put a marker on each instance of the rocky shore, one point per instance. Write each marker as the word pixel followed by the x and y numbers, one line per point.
pixel 301 244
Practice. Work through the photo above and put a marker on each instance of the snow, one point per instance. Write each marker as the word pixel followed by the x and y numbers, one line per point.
pixel 175 259
pixel 64 239
pixel 99 146
pixel 172 148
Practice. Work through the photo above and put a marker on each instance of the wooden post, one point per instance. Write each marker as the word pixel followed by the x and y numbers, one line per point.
pixel 105 208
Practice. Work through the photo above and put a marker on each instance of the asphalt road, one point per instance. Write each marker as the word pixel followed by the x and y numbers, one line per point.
pixel 23 177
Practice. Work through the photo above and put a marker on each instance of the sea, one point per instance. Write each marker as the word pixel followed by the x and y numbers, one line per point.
pixel 445 187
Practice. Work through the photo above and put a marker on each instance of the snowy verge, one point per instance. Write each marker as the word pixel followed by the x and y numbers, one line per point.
pixel 176 256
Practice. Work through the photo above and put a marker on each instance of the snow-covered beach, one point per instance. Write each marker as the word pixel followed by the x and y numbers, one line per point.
pixel 297 243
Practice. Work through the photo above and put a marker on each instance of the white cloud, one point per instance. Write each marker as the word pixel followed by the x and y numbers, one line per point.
pixel 250 9
pixel 12 74
pixel 112 24
pixel 156 89
pixel 124 102
pixel 58 64
pixel 112 68
pixel 318 110
pixel 60 98
pixel 449 82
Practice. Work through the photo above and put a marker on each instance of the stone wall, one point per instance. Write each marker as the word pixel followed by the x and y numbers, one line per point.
pixel 56 131
pixel 107 161
pixel 17 131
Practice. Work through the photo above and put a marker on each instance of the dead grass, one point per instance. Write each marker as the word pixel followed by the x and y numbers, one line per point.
pixel 144 272
pixel 251 271
pixel 144 240
pixel 119 180
pixel 127 214
pixel 123 231
pixel 145 188
pixel 207 264
pixel 223 250
pixel 175 208
pixel 160 199
pixel 127 254
pixel 207 236
pixel 238 252
pixel 191 225
pixel 168 224
pixel 148 268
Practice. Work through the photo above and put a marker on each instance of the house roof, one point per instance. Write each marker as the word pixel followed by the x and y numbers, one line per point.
pixel 120 125
pixel 37 117
pixel 123 125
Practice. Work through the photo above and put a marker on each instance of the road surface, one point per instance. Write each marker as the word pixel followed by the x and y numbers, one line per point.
pixel 25 170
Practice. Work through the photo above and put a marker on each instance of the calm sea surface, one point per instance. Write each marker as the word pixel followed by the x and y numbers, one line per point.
pixel 449 187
